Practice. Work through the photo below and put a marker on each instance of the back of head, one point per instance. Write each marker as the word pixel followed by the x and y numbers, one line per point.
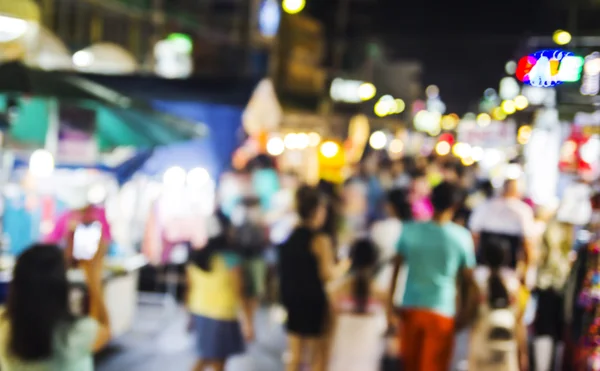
pixel 446 196
pixel 398 201
pixel 511 188
pixel 494 252
pixel 38 302
pixel 364 257
pixel 218 229
pixel 308 200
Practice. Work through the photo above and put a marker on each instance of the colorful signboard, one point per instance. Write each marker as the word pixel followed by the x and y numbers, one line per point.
pixel 548 68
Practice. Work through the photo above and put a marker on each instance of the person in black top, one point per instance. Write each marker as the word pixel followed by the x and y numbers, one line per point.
pixel 306 263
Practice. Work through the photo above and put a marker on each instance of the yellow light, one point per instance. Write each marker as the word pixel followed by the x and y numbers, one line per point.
pixel 329 149
pixel 483 119
pixel 367 91
pixel 314 139
pixel 524 134
pixel 468 161
pixel 521 102
pixel 378 140
pixel 498 114
pixel 396 146
pixel 382 108
pixel 293 6
pixel 508 106
pixel 450 122
pixel 442 148
pixel 302 141
pixel 461 150
pixel 275 146
pixel 400 106
pixel 561 37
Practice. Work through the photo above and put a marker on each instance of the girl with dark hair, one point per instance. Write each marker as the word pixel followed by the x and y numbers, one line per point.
pixel 38 331
pixel 306 264
pixel 215 298
pixel 499 336
pixel 359 308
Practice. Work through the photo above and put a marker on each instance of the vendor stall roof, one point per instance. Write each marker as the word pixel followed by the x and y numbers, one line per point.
pixel 216 89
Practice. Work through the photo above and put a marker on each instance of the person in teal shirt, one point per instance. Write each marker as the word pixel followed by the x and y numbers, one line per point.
pixel 436 253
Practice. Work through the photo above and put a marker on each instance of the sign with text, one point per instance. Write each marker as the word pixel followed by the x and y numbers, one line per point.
pixel 496 134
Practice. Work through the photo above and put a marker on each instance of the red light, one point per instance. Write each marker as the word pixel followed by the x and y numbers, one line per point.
pixel 447 137
pixel 524 66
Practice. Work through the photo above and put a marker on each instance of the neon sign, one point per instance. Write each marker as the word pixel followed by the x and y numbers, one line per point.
pixel 548 68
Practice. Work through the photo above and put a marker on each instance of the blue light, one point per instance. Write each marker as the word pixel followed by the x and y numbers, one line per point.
pixel 269 17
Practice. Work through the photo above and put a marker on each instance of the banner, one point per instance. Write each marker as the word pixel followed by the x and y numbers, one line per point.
pixel 496 134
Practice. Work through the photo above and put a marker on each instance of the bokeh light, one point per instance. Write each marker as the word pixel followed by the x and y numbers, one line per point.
pixel 378 140
pixel 198 177
pixel 291 141
pixel 450 122
pixel 510 67
pixel 461 150
pixel 314 139
pixel 498 114
pixel 175 177
pixel 561 37
pixel 275 146
pixel 442 148
pixel 509 107
pixel 41 163
pixel 477 154
pixel 367 91
pixel 302 141
pixel 467 161
pixel 521 102
pixel 432 91
pixel 329 149
pixel 483 119
pixel 396 146
pixel 293 6
pixel 524 134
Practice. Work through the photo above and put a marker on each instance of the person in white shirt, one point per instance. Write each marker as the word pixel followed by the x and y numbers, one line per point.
pixel 510 218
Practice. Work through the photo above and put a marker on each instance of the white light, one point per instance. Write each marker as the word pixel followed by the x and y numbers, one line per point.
pixel 314 139
pixel 509 88
pixel 83 58
pixel 378 140
pixel 590 151
pixel 174 177
pixel 347 91
pixel 275 146
pixel 198 177
pixel 302 141
pixel 513 171
pixel 510 67
pixel 366 91
pixel 461 150
pixel 291 141
pixel 330 149
pixel 477 154
pixel 396 146
pixel 590 82
pixel 41 163
pixel 432 92
pixel 11 28
pixel 97 194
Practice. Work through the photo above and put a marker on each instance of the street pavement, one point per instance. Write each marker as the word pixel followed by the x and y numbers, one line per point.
pixel 159 341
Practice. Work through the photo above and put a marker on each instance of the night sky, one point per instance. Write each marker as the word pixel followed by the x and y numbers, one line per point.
pixel 463 45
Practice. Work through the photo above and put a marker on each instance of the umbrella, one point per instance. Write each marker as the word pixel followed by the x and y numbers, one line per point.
pixel 141 118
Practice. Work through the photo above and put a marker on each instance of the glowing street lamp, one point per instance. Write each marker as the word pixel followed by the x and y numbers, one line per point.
pixel 561 37
pixel 293 6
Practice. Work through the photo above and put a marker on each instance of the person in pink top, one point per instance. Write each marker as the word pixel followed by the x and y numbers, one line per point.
pixel 64 229
pixel 419 198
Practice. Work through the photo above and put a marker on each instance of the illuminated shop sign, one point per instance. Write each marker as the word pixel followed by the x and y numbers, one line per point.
pixel 547 68
pixel 590 83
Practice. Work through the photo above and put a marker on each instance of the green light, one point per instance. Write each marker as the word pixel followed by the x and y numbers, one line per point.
pixel 182 42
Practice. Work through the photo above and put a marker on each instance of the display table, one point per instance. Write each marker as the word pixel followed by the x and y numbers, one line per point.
pixel 120 289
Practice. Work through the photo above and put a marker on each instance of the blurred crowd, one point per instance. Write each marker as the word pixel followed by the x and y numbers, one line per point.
pixel 380 272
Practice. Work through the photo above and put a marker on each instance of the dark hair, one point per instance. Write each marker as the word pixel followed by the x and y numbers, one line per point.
pixel 38 302
pixel 487 188
pixel 308 199
pixel 398 200
pixel 202 257
pixel 446 196
pixel 364 256
pixel 493 252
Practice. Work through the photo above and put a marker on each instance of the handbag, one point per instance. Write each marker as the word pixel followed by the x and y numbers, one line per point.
pixel 467 307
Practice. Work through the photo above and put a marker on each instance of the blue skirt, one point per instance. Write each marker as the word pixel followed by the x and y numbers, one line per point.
pixel 216 339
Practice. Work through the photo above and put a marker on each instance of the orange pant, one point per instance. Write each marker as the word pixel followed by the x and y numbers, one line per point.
pixel 427 340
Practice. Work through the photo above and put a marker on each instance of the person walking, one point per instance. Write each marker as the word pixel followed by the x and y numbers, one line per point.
pixel 437 253
pixel 306 264
pixel 215 298
pixel 38 331
pixel 498 337
pixel 359 316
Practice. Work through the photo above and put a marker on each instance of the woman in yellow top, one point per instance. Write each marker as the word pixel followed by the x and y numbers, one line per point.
pixel 221 317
